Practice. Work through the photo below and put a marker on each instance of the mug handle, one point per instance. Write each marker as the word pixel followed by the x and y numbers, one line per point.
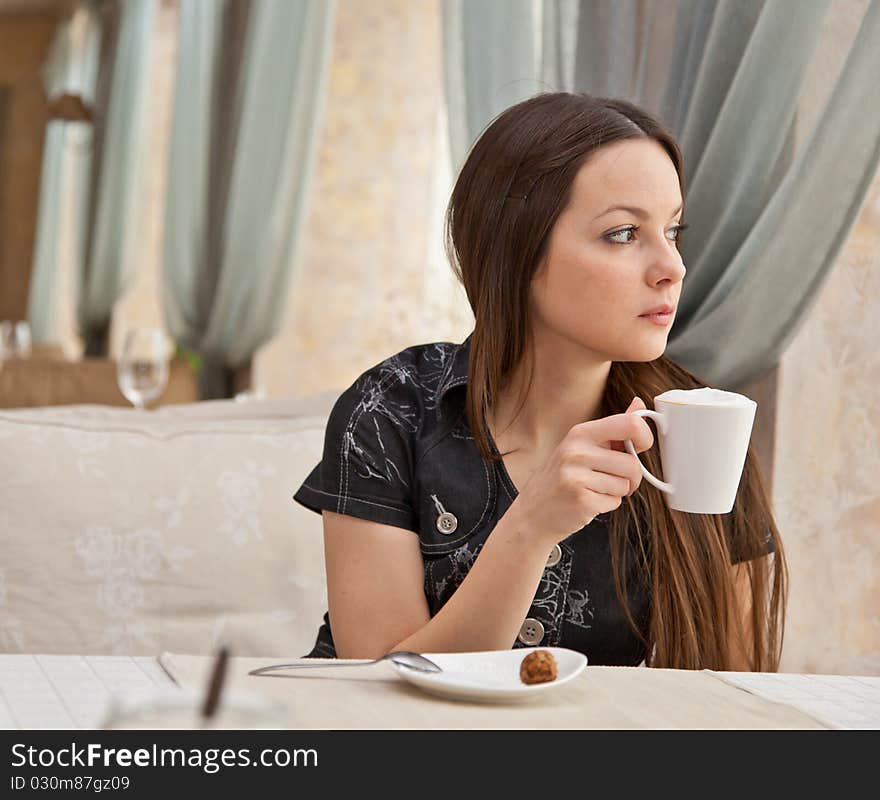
pixel 660 421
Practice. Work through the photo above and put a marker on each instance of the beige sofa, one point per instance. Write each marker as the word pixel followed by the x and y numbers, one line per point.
pixel 130 532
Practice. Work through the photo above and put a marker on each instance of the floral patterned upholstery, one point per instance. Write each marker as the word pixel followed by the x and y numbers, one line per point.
pixel 136 532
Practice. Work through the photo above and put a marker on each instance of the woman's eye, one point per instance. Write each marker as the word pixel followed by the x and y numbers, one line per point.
pixel 675 231
pixel 624 232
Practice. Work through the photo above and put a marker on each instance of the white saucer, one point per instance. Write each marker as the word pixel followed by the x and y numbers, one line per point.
pixel 491 676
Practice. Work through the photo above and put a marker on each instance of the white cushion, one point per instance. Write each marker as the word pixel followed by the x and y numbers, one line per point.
pixel 136 532
pixel 254 408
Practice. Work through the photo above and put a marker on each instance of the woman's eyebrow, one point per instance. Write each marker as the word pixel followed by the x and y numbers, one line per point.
pixel 639 212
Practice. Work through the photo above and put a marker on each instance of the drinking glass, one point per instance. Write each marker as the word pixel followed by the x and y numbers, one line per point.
pixel 22 339
pixel 15 339
pixel 142 370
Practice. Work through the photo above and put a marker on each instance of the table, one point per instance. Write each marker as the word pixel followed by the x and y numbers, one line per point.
pixel 49 692
pixel 39 691
pixel 47 381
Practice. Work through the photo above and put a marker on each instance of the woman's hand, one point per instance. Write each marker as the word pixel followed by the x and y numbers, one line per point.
pixel 587 474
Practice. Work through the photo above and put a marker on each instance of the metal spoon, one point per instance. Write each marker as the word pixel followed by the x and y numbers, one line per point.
pixel 403 657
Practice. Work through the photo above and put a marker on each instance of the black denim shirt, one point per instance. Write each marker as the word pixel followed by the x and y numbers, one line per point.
pixel 397 439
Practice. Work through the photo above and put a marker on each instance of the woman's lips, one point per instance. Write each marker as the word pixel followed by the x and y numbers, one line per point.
pixel 658 319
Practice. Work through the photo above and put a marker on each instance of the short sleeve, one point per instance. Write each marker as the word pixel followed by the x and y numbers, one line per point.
pixel 366 468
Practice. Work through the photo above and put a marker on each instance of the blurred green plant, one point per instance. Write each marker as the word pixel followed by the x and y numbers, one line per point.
pixel 192 358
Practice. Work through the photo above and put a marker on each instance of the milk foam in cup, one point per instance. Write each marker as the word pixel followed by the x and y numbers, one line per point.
pixel 705 396
pixel 704 437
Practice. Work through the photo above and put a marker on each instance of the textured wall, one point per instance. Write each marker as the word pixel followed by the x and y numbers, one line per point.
pixel 826 491
pixel 368 278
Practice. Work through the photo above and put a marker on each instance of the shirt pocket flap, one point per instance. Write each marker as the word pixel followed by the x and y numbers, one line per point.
pixel 456 496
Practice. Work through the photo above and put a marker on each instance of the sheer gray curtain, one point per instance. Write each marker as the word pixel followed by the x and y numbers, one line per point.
pixel 71 70
pixel 767 220
pixel 111 211
pixel 247 107
pixel 491 62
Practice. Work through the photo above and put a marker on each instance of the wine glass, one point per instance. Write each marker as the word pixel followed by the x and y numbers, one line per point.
pixel 22 339
pixel 142 370
pixel 15 339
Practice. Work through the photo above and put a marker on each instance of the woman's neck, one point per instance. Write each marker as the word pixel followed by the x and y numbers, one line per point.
pixel 566 389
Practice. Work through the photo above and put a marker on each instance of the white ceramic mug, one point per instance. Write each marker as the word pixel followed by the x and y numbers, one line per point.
pixel 704 439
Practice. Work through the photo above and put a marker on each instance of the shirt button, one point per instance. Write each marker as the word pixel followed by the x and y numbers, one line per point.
pixel 447 523
pixel 531 632
pixel 555 556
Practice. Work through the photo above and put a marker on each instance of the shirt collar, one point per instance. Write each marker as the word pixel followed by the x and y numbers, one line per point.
pixel 455 375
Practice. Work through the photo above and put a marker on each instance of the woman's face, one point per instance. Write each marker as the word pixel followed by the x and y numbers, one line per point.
pixel 604 268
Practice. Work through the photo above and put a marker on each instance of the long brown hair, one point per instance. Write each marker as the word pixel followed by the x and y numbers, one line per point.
pixel 509 193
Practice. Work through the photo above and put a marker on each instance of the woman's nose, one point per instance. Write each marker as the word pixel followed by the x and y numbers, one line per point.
pixel 669 267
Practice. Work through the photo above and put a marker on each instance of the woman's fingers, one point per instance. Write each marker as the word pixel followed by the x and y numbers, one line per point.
pixel 617 429
pixel 607 483
pixel 624 466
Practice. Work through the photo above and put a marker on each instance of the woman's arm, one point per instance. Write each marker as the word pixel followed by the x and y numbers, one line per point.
pixel 375 574
pixel 375 586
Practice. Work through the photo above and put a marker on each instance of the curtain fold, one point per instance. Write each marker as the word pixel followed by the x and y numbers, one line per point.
pixel 71 69
pixel 111 216
pixel 42 293
pixel 186 208
pixel 775 269
pixel 491 62
pixel 248 104
pixel 767 218
pixel 733 135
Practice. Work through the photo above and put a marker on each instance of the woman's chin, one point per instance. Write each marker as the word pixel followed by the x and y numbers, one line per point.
pixel 647 351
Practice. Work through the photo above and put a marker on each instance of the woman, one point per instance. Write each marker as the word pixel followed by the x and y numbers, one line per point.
pixel 504 455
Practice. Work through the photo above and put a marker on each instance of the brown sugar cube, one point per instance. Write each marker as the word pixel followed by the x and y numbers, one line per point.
pixel 538 666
